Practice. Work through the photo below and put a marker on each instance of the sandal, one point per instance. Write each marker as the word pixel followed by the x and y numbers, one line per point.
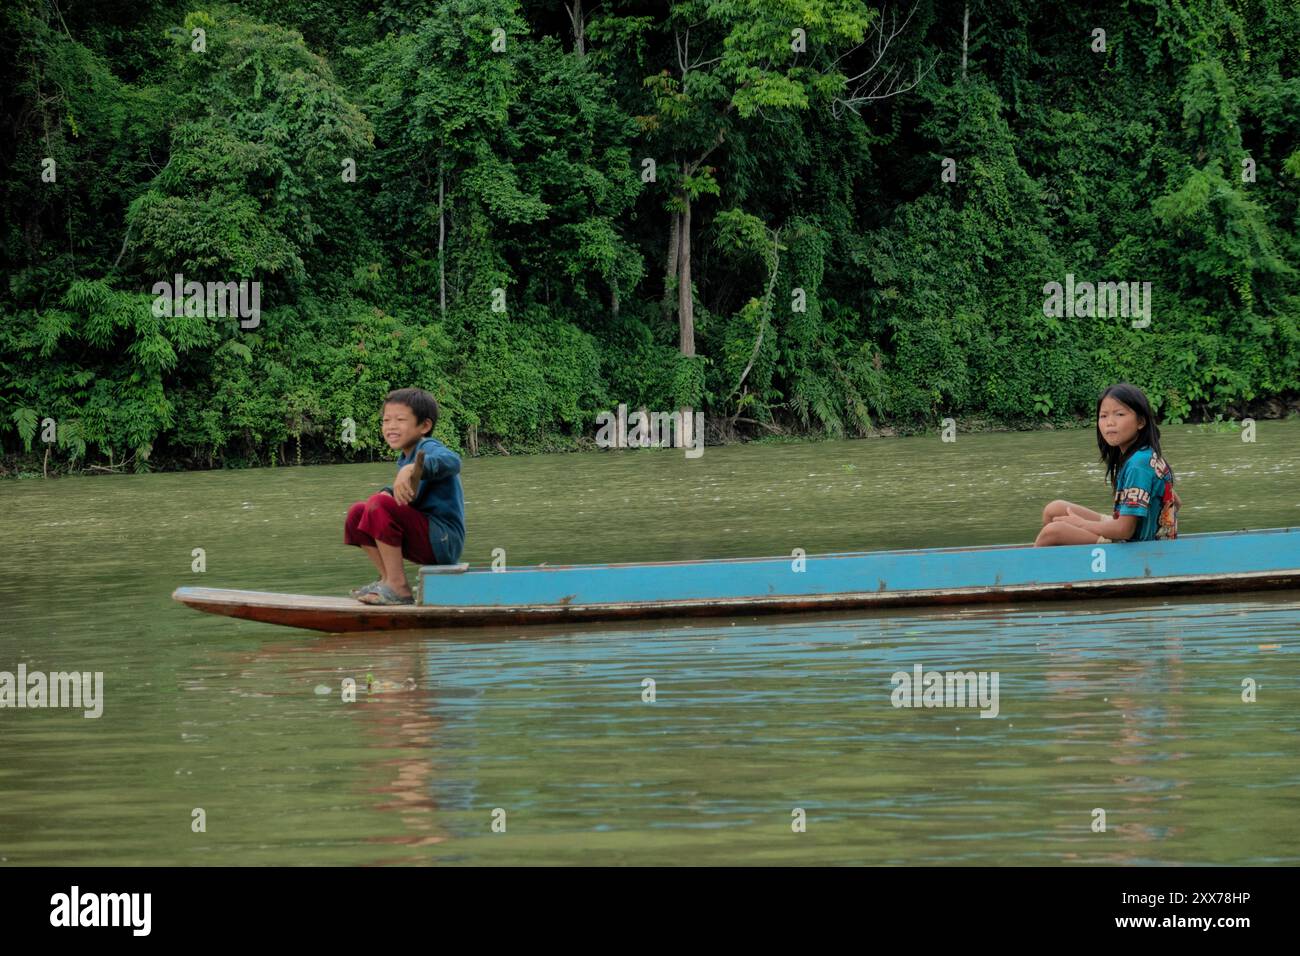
pixel 384 595
pixel 366 588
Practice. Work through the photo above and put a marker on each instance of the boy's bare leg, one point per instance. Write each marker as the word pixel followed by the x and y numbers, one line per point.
pixel 394 573
pixel 373 554
pixel 1059 508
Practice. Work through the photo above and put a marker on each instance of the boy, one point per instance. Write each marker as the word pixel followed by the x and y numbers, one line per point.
pixel 425 524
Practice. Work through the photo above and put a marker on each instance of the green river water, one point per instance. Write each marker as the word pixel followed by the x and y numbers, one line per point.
pixel 1132 706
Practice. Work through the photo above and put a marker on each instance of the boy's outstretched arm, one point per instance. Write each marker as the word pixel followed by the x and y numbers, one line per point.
pixel 440 461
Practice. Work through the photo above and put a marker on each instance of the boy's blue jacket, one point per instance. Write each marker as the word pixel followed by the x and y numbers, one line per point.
pixel 440 498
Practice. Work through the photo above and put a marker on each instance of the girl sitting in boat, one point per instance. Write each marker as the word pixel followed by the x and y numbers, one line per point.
pixel 424 524
pixel 1146 506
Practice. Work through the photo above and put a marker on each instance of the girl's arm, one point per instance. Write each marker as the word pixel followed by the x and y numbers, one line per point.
pixel 1080 511
pixel 1117 529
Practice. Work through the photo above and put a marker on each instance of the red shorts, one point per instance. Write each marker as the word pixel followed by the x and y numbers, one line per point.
pixel 381 518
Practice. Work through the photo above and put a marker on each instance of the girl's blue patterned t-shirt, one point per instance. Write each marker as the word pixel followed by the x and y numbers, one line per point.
pixel 1140 492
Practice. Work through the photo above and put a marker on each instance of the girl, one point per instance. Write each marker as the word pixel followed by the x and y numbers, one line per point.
pixel 1146 507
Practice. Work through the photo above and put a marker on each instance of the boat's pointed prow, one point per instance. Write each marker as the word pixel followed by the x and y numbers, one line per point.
pixel 300 610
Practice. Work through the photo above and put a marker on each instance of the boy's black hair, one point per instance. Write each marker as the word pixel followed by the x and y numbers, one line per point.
pixel 1148 435
pixel 421 403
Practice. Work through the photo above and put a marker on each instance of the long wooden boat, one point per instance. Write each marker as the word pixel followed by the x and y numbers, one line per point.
pixel 455 596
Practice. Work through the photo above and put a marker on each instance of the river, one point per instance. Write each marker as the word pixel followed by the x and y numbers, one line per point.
pixel 769 740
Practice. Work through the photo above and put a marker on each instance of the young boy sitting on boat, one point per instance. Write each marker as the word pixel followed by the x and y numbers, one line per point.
pixel 424 524
pixel 1146 505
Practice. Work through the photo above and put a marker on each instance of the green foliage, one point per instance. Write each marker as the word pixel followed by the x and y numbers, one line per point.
pixel 256 155
pixel 25 420
pixel 521 377
pixel 840 281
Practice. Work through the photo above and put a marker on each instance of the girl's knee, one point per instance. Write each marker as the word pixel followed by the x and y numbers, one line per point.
pixel 1054 509
pixel 354 515
pixel 1048 537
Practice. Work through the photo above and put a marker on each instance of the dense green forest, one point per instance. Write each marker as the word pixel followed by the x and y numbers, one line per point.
pixel 799 216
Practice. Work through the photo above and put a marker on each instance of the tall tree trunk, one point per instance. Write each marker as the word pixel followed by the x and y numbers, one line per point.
pixel 685 303
pixel 442 234
pixel 965 27
pixel 670 267
pixel 579 28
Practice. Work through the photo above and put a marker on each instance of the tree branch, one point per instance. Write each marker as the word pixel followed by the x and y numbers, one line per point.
pixel 869 86
pixel 767 311
pixel 121 252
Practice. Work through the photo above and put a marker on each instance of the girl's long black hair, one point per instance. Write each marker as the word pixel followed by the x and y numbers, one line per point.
pixel 1148 435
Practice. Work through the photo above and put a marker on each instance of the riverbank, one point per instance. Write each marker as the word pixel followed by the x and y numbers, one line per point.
pixel 51 463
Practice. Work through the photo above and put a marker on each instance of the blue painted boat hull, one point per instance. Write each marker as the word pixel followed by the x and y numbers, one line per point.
pixel 1227 561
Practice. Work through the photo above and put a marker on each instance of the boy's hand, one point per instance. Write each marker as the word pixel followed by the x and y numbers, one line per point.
pixel 402 489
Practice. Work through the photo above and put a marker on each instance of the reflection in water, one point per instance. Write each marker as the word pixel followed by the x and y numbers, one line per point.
pixel 1102 704
pixel 1136 727
pixel 403 724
